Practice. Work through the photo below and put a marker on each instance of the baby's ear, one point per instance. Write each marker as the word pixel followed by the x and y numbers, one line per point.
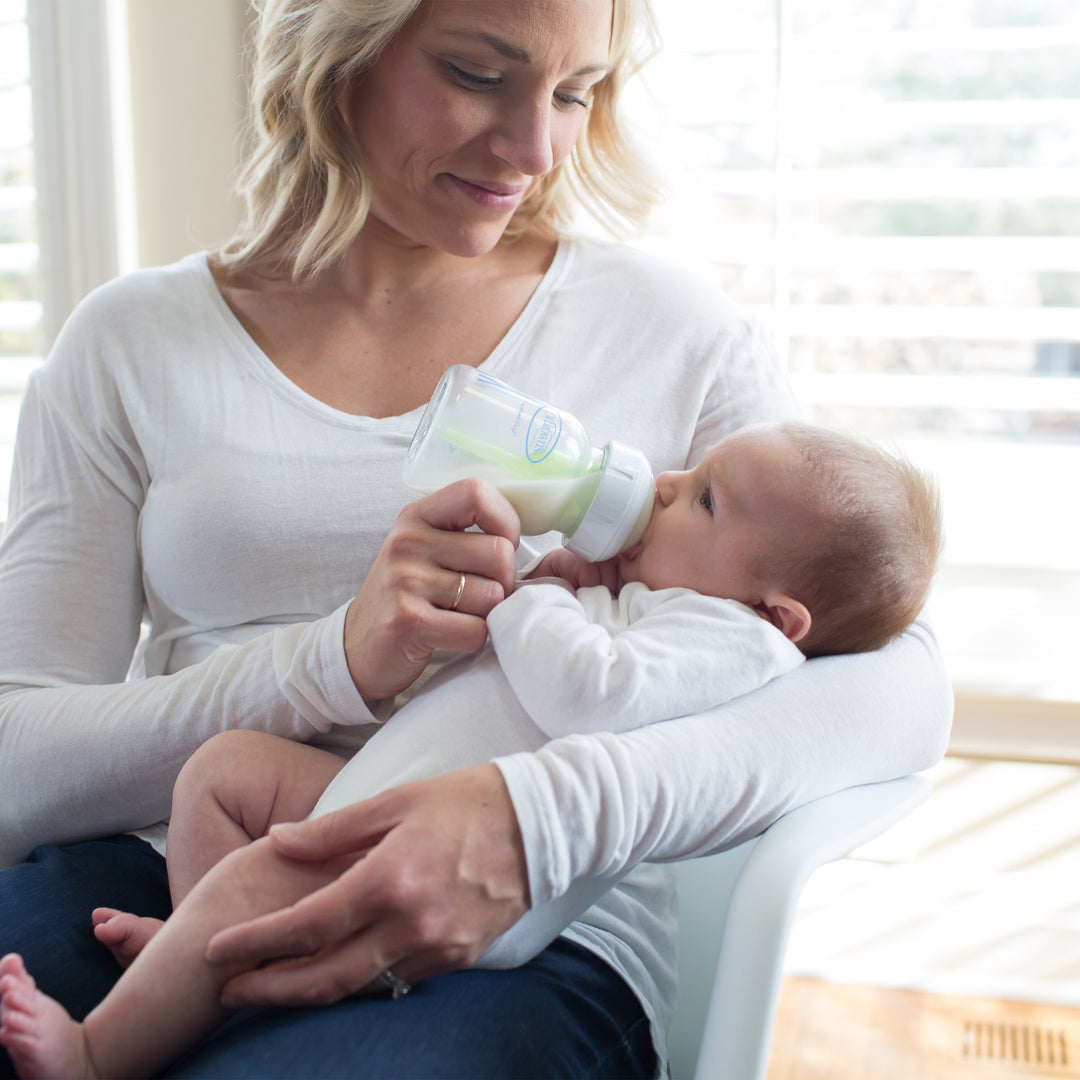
pixel 790 616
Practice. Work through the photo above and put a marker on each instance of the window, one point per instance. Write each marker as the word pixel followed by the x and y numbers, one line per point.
pixel 895 188
pixel 20 307
pixel 59 230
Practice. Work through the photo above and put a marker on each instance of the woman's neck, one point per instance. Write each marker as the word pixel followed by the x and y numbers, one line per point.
pixel 377 266
pixel 373 335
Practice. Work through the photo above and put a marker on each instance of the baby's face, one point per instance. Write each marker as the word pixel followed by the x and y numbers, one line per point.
pixel 711 525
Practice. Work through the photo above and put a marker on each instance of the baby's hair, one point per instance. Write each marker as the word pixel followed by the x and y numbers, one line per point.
pixel 877 523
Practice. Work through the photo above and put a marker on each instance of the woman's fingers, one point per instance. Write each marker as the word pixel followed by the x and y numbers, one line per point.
pixel 321 979
pixel 321 919
pixel 352 830
pixel 446 878
pixel 405 609
pixel 330 975
pixel 468 503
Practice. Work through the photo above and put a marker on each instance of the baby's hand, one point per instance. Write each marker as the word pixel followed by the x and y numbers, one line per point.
pixel 550 580
pixel 576 571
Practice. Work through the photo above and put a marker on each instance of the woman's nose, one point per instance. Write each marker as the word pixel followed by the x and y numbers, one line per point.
pixel 523 138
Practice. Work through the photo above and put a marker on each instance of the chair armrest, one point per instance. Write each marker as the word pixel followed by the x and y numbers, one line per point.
pixel 741 1012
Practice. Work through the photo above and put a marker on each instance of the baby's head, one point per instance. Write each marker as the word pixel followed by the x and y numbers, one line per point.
pixel 832 539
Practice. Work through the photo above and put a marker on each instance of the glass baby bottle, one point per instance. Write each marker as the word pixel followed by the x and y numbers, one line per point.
pixel 539 457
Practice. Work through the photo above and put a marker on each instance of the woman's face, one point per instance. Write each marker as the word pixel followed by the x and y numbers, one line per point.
pixel 471 104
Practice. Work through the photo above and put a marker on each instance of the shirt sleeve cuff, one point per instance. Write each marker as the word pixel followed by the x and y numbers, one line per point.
pixel 534 803
pixel 313 674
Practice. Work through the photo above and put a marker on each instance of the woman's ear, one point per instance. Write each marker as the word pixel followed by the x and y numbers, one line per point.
pixel 790 616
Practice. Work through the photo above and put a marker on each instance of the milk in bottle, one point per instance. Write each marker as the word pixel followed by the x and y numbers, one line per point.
pixel 539 457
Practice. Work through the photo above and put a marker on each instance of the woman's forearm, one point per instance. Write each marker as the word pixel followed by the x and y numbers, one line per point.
pixel 85 760
pixel 700 784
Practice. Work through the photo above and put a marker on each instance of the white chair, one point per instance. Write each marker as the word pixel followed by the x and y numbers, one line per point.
pixel 736 910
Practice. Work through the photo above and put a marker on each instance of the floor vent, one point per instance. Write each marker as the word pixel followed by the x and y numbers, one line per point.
pixel 1016 1044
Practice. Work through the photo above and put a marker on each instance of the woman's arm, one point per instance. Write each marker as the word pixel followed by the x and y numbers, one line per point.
pixel 701 784
pixel 82 751
pixel 667 791
pixel 85 752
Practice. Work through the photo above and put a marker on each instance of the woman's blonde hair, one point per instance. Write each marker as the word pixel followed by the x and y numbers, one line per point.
pixel 305 187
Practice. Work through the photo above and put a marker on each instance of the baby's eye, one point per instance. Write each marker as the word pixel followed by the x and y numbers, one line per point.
pixel 705 500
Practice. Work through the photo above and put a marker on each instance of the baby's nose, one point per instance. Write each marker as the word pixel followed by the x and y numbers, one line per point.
pixel 667 486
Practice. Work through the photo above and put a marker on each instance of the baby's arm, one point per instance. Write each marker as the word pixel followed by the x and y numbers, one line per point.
pixel 576 668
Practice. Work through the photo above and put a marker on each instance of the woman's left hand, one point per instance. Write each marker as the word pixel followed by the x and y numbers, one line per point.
pixel 443 876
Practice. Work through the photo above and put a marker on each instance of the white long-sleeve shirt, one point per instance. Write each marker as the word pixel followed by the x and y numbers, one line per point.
pixel 165 469
pixel 591 661
pixel 559 662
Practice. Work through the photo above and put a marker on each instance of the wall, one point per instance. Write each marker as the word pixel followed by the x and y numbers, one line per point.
pixel 187 94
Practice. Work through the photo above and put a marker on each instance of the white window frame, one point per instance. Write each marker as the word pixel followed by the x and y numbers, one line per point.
pixel 76 150
pixel 83 177
pixel 993 718
pixel 85 189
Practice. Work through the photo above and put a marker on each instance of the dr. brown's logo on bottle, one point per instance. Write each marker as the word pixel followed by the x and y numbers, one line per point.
pixel 543 434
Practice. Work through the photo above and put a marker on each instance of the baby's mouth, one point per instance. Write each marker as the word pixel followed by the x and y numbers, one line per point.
pixel 632 552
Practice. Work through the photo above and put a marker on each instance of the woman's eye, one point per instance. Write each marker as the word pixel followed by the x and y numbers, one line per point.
pixel 568 100
pixel 705 500
pixel 470 78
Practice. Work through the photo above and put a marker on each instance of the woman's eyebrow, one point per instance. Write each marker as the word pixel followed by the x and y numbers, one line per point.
pixel 515 52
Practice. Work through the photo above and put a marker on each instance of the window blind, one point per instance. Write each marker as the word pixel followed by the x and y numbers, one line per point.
pixel 20 304
pixel 894 188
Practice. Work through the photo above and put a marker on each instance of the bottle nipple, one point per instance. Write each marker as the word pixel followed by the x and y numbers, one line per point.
pixel 620 509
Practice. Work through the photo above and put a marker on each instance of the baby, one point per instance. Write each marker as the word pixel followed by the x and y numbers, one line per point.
pixel 786 541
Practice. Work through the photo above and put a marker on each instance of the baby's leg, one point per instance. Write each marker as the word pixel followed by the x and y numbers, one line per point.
pixel 169 998
pixel 230 791
pixel 123 934
pixel 42 1040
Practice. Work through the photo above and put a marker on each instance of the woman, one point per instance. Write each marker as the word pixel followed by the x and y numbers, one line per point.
pixel 217 446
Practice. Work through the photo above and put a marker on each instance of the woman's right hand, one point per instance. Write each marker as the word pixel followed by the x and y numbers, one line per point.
pixel 406 608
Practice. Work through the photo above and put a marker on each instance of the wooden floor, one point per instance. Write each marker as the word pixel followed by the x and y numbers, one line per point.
pixel 828 1031
pixel 920 957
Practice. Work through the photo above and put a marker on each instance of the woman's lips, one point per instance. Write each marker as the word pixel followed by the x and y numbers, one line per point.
pixel 490 195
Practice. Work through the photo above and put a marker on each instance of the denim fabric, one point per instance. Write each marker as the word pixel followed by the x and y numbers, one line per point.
pixel 565 1014
pixel 45 906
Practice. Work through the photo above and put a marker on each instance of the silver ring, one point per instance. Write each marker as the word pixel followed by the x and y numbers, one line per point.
pixel 389 981
pixel 460 592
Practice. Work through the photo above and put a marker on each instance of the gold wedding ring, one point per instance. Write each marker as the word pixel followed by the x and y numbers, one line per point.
pixel 389 981
pixel 459 594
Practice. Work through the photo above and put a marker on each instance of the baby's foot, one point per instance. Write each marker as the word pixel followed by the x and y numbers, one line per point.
pixel 125 935
pixel 43 1041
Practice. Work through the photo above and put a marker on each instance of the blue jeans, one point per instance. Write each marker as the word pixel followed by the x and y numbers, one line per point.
pixel 564 1014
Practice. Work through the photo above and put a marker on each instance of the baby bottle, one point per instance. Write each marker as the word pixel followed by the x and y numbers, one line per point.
pixel 539 457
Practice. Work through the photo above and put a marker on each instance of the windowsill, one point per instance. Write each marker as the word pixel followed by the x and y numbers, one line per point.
pixel 1016 729
pixel 1008 638
pixel 1008 634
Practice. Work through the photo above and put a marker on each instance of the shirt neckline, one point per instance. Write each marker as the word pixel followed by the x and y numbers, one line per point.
pixel 270 373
